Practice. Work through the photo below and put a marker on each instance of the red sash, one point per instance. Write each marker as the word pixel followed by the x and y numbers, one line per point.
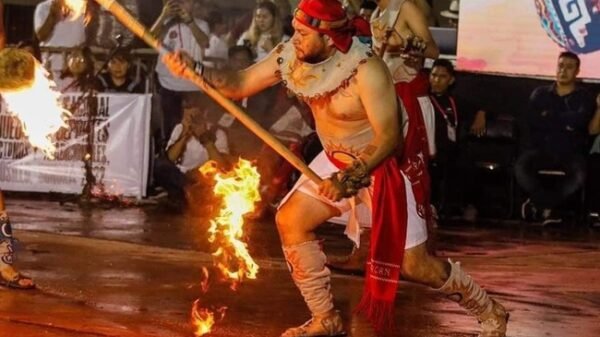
pixel 388 237
pixel 389 210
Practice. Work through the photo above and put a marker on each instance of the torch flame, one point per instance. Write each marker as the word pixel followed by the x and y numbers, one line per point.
pixel 77 8
pixel 39 110
pixel 239 190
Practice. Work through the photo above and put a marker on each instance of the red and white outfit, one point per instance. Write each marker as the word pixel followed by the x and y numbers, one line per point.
pixel 394 225
pixel 356 211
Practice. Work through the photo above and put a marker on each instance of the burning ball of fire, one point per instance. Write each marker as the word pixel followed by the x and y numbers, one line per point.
pixel 17 70
pixel 32 97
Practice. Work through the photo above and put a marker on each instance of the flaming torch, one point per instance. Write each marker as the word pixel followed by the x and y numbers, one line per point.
pixel 31 95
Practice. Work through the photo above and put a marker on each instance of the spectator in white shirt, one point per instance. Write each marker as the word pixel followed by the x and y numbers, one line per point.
pixel 55 26
pixel 178 31
pixel 192 144
pixel 215 55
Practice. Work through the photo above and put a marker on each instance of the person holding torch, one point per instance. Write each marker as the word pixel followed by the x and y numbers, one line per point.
pixel 358 120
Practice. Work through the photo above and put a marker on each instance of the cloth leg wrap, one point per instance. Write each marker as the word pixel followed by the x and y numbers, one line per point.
pixel 306 262
pixel 6 239
pixel 461 288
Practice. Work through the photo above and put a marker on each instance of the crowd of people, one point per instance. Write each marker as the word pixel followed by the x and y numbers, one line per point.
pixel 389 132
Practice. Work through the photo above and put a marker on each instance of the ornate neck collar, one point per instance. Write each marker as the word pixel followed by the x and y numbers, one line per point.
pixel 322 80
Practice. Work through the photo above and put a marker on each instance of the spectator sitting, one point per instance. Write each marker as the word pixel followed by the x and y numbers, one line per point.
pixel 557 123
pixel 265 32
pixel 55 26
pixel 117 78
pixel 193 143
pixel 451 115
pixel 79 73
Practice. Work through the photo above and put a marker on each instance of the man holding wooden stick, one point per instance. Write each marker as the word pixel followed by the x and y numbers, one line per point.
pixel 352 97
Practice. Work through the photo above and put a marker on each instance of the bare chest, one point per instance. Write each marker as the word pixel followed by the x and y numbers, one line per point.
pixel 343 106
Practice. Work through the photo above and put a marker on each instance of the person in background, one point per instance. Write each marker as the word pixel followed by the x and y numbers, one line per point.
pixel 451 114
pixel 366 9
pixel 117 78
pixel 178 30
pixel 192 143
pixel 215 55
pixel 265 32
pixel 55 26
pixel 557 123
pixel 78 75
pixel 9 276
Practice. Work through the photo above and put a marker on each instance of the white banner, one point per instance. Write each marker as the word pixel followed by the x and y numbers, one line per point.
pixel 120 149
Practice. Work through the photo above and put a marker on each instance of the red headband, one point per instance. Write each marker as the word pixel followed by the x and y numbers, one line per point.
pixel 326 17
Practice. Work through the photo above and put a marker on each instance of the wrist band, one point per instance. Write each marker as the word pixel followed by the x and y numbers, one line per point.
pixel 352 179
pixel 199 68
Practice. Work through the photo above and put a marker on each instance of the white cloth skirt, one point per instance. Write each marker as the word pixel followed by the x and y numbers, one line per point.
pixel 356 211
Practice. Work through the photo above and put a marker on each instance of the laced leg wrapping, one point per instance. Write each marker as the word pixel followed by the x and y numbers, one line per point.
pixel 6 240
pixel 306 262
pixel 461 288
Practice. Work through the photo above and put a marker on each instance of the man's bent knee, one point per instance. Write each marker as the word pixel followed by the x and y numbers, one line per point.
pixel 419 266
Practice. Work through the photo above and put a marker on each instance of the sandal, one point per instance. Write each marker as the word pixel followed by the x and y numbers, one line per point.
pixel 15 283
pixel 330 326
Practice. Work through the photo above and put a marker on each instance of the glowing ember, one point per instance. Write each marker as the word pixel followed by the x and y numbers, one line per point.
pixel 239 191
pixel 205 283
pixel 204 319
pixel 39 110
pixel 77 8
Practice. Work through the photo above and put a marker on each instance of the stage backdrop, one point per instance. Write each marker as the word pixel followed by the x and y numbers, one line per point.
pixel 524 37
pixel 120 145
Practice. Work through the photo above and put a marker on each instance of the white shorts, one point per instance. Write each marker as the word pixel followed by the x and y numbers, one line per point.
pixel 356 211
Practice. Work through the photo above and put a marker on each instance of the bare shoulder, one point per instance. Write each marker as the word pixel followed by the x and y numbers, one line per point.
pixel 373 70
pixel 409 8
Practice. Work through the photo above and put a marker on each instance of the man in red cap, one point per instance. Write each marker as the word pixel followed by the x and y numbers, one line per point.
pixel 357 117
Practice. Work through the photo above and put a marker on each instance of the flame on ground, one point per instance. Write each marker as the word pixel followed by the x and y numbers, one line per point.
pixel 204 319
pixel 39 110
pixel 239 191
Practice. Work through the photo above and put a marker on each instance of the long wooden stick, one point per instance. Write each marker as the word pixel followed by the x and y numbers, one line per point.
pixel 138 29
